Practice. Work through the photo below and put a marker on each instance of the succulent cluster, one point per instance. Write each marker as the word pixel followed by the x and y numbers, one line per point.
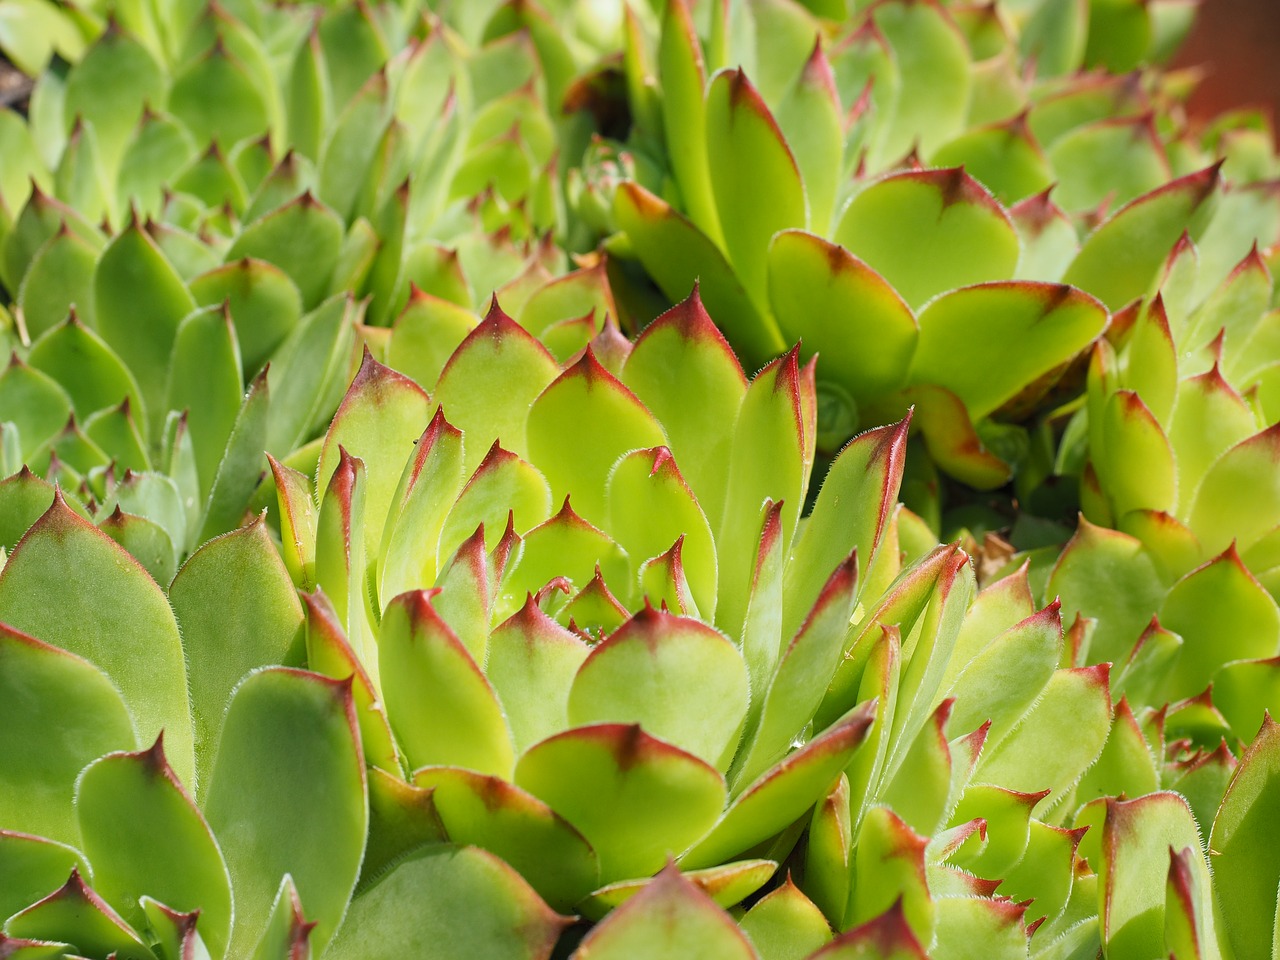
pixel 766 480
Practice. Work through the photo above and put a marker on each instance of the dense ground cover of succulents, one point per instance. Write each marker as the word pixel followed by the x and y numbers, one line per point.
pixel 734 479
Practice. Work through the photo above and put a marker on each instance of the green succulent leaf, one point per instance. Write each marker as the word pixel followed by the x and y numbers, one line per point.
pixel 302 238
pixel 237 610
pixel 531 663
pixel 85 367
pixel 111 613
pixel 1119 260
pixel 490 382
pixel 241 468
pixel 677 253
pixel 288 796
pixel 527 834
pixel 441 706
pixel 587 400
pixel 634 797
pixel 654 662
pixel 75 912
pixel 786 925
pixel 32 867
pixel 783 793
pixel 58 281
pixel 691 924
pixel 929 231
pixel 144 835
pixel 826 297
pixel 60 713
pixel 417 909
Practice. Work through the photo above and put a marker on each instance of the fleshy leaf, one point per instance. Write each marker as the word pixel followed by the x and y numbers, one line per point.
pixel 837 305
pixel 288 796
pixel 676 253
pixel 683 370
pixel 32 867
pixel 670 916
pixel 1028 329
pixel 785 924
pixel 237 610
pixel 1137 837
pixel 928 231
pixel 654 661
pixel 144 835
pixel 587 400
pixel 302 238
pixel 75 912
pixel 111 613
pixel 1120 259
pixel 443 899
pixel 491 813
pixel 60 713
pixel 635 798
pixel 783 793
pixel 531 662
pixel 753 201
pixel 441 706
pixel 490 382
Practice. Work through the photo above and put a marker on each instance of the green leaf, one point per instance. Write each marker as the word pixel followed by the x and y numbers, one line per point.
pixel 159 147
pixel 85 367
pixel 531 662
pixel 328 652
pixel 287 934
pixel 587 400
pixel 149 543
pixel 237 610
pixel 1030 329
pixel 1134 460
pixel 442 708
pixel 309 373
pixel 794 692
pixel 655 662
pixel 302 238
pixel 753 201
pixel 241 468
pixel 428 487
pixel 503 486
pixel 264 305
pixel 378 421
pixel 649 507
pixel 1119 34
pixel 785 924
pixel 936 75
pixel 493 814
pixel 886 937
pixel 726 885
pixel 32 867
pixel 1064 732
pixel 1222 613
pixel 634 797
pixel 1138 837
pixel 929 231
pixel 1108 576
pixel 490 382
pixel 139 303
pixel 111 613
pixel 426 335
pixel 217 99
pixel 1121 258
pixel 1238 499
pixel 350 145
pixel 850 516
pixel 966 922
pixel 75 912
pixel 683 370
pixel 783 793
pixel 809 116
pixel 60 713
pixel 837 305
pixel 688 924
pixel 676 253
pixel 767 461
pixel 144 835
pixel 204 380
pixel 890 872
pixel 443 899
pixel 1004 157
pixel 288 796
pixel 682 75
pixel 34 402
pixel 58 281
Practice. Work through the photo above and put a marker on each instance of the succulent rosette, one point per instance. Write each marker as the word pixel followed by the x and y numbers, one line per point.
pixel 958 285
